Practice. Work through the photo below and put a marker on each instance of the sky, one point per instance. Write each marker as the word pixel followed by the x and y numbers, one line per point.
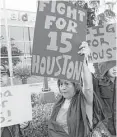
pixel 30 5
pixel 22 5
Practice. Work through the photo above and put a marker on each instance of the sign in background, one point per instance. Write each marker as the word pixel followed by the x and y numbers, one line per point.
pixel 59 30
pixel 102 41
pixel 15 105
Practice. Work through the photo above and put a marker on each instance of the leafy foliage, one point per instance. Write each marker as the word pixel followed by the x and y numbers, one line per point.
pixel 22 72
pixel 38 127
pixel 41 113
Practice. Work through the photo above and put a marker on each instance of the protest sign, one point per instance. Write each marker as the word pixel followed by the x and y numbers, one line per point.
pixel 15 105
pixel 59 30
pixel 102 41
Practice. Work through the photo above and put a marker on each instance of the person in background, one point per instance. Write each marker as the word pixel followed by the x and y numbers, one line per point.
pixel 14 130
pixel 105 88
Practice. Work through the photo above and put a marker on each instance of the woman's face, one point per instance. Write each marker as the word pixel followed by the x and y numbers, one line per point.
pixel 67 89
pixel 113 72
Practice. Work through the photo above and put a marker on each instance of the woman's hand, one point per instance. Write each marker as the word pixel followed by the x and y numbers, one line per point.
pixel 24 125
pixel 84 49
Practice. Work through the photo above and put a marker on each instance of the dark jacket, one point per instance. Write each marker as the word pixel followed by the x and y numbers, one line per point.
pixel 78 125
pixel 105 91
pixel 76 119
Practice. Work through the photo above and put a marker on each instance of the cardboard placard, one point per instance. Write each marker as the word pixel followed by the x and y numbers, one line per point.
pixel 102 41
pixel 59 30
pixel 15 105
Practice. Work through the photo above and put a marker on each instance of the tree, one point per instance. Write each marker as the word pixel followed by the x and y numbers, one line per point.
pixel 23 72
pixel 107 15
pixel 94 15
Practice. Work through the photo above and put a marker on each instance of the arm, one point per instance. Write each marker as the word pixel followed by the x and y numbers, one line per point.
pixel 86 74
pixel 87 83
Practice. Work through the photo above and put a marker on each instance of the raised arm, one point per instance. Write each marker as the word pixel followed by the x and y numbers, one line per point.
pixel 87 82
pixel 86 74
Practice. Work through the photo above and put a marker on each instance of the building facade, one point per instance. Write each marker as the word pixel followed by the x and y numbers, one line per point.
pixel 20 31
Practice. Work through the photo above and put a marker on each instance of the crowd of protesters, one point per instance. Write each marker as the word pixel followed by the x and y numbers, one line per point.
pixel 82 107
pixel 88 109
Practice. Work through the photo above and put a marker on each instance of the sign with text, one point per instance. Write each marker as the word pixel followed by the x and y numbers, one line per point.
pixel 102 41
pixel 15 105
pixel 59 30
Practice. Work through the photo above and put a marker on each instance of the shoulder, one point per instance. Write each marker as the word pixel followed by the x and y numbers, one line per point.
pixel 105 81
pixel 100 82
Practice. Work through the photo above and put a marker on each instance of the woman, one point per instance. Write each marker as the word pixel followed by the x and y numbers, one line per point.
pixel 72 114
pixel 105 88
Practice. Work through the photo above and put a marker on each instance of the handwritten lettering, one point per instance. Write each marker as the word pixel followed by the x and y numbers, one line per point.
pixel 69 68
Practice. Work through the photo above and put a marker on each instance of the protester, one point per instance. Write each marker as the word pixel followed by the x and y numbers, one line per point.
pixel 105 88
pixel 14 130
pixel 72 114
